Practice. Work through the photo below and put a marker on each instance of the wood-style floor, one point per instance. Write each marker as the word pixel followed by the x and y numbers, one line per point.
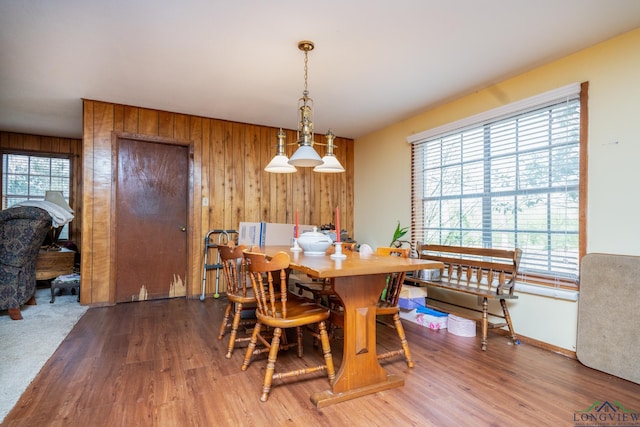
pixel 160 363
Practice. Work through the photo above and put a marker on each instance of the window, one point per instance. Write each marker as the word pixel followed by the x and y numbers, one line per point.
pixel 506 178
pixel 28 177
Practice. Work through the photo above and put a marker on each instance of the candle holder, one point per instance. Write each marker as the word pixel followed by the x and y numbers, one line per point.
pixel 338 253
pixel 295 247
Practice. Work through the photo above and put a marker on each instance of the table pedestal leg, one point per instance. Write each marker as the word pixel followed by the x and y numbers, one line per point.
pixel 360 372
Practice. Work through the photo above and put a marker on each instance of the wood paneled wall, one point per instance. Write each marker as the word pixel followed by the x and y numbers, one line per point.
pixel 228 169
pixel 19 142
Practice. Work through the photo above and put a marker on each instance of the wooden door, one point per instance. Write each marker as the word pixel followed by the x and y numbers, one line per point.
pixel 151 203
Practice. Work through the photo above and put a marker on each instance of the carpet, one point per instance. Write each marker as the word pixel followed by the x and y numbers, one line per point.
pixel 26 345
pixel 608 315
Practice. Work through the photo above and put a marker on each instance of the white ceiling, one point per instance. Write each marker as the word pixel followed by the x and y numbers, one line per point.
pixel 376 62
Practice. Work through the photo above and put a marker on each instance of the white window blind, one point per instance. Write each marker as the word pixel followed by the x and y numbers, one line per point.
pixel 506 178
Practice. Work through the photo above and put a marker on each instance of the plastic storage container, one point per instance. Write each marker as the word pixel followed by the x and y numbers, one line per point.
pixel 461 327
pixel 432 319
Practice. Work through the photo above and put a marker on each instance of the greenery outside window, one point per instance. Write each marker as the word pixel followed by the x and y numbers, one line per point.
pixel 29 176
pixel 507 178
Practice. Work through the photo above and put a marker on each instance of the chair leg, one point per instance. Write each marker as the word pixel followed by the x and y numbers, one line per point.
pixel 403 339
pixel 271 364
pixel 299 340
pixel 234 329
pixel 251 347
pixel 326 350
pixel 507 317
pixel 225 321
pixel 485 322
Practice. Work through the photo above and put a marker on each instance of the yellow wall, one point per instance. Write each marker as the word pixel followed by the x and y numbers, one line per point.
pixel 612 69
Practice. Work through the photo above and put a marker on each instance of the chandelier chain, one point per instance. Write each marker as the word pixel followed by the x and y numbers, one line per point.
pixel 306 70
pixel 305 155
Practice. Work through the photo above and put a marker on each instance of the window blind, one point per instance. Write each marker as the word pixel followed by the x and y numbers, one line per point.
pixel 503 179
pixel 28 177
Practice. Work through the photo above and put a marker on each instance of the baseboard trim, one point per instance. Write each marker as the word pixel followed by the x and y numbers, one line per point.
pixel 541 344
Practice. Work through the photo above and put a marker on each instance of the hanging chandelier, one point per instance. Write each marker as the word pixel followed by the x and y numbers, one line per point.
pixel 305 155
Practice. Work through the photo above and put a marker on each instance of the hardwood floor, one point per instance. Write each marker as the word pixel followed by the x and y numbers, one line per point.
pixel 159 363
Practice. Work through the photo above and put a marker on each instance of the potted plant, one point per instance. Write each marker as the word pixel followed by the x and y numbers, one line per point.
pixel 398 234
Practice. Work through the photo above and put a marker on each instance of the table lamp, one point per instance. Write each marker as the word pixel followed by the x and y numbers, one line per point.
pixel 57 198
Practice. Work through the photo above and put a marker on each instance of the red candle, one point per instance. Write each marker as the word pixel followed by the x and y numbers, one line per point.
pixel 337 225
pixel 297 225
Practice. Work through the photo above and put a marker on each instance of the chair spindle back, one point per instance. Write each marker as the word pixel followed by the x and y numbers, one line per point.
pixel 391 293
pixel 271 297
pixel 232 260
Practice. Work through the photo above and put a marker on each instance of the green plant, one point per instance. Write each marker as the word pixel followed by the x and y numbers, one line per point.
pixel 399 234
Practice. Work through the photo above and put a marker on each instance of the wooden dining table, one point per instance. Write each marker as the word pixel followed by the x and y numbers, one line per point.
pixel 358 281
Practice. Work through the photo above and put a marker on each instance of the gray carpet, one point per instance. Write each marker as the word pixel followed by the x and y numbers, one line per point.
pixel 26 345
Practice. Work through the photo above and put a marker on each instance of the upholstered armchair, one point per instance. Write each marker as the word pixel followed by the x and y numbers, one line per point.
pixel 22 231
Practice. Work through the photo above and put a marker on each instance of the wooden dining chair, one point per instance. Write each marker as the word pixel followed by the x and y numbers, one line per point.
pixel 240 295
pixel 277 311
pixel 388 304
pixel 321 290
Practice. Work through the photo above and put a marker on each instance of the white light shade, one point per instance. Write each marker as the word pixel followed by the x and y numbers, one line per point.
pixel 279 164
pixel 330 165
pixel 305 156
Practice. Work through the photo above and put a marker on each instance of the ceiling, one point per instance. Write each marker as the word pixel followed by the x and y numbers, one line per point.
pixel 375 62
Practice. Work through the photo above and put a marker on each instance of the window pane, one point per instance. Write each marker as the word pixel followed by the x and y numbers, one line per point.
pixel 472 178
pixel 432 215
pixel 503 211
pixel 503 173
pixel 38 185
pixel 565 168
pixel 471 217
pixel 17 184
pixel 450 212
pixel 504 184
pixel 60 167
pixel 563 208
pixel 450 180
pixel 471 238
pixel 473 145
pixel 18 164
pixel 26 177
pixel 533 169
pixel 503 240
pixel 450 148
pixel 533 212
pixel 40 166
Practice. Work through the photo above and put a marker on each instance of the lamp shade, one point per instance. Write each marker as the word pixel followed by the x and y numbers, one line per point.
pixel 279 164
pixel 305 156
pixel 330 165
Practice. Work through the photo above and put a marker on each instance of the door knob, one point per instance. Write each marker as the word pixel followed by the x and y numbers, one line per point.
pixel 183 228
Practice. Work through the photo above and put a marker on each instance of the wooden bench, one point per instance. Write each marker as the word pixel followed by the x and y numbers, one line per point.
pixel 484 272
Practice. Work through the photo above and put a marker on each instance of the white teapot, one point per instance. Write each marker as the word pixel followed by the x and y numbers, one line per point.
pixel 314 243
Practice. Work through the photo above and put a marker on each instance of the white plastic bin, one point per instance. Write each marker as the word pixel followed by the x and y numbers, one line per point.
pixel 461 327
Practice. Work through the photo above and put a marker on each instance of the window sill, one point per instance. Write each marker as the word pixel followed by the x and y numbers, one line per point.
pixel 547 291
